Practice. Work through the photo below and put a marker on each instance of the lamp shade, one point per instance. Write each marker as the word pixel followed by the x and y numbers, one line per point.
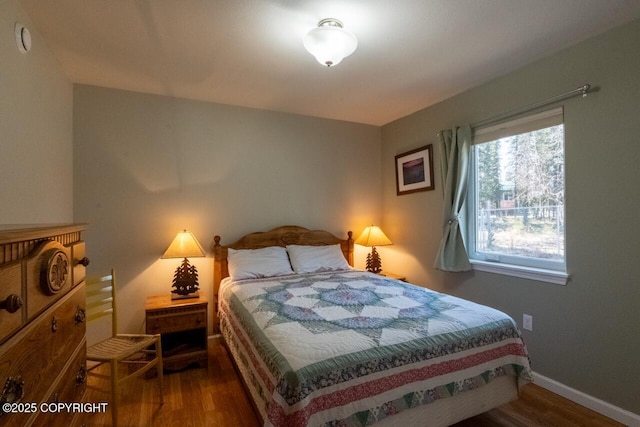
pixel 185 245
pixel 372 236
pixel 329 42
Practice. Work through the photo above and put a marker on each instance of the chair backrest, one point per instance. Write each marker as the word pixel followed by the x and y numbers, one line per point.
pixel 101 299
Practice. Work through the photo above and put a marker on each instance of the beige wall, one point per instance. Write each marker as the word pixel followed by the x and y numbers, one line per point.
pixel 36 139
pixel 586 334
pixel 147 166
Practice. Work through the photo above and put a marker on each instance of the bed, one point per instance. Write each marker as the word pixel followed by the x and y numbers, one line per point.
pixel 318 343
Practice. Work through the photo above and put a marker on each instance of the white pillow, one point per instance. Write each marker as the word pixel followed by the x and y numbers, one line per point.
pixel 312 259
pixel 256 263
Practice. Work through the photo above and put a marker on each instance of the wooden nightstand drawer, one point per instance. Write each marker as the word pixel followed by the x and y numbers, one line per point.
pixel 175 321
pixel 182 324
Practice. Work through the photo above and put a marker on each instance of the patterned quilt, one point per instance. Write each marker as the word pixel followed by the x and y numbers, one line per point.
pixel 351 347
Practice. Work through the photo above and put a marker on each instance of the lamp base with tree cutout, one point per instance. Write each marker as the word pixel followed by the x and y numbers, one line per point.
pixel 185 281
pixel 374 263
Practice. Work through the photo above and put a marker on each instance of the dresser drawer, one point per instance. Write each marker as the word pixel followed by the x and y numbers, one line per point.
pixel 175 321
pixel 69 387
pixel 11 294
pixel 33 358
pixel 79 262
pixel 69 323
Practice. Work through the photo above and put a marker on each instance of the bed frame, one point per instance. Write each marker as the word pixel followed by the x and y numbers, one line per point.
pixel 443 412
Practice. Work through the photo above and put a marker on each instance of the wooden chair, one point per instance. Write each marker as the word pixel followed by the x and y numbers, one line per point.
pixel 129 355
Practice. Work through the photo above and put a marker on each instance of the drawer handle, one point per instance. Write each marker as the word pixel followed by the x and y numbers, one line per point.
pixel 12 303
pixel 84 261
pixel 54 324
pixel 13 391
pixel 80 316
pixel 81 375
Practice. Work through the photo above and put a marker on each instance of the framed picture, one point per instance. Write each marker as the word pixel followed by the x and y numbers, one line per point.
pixel 414 170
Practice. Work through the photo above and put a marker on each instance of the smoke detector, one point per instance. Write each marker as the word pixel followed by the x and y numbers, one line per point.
pixel 23 38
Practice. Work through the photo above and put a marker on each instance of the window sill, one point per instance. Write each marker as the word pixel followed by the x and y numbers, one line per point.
pixel 541 275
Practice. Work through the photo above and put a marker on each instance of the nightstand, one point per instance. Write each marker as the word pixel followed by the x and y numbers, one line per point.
pixel 183 326
pixel 393 276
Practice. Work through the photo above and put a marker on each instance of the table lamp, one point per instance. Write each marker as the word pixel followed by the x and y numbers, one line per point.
pixel 372 236
pixel 185 279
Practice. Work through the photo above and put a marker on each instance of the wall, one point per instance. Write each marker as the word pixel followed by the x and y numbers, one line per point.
pixel 148 166
pixel 36 139
pixel 586 334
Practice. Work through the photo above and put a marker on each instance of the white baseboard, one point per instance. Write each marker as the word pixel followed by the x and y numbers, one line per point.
pixel 621 415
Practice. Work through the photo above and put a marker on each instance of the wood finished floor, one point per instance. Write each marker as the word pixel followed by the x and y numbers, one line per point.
pixel 215 397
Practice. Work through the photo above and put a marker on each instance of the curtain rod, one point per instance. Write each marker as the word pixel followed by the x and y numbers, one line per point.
pixel 582 90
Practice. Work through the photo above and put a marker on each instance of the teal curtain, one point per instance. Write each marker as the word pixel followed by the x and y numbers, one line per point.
pixel 455 150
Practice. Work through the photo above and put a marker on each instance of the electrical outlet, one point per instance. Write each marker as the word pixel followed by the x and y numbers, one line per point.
pixel 527 322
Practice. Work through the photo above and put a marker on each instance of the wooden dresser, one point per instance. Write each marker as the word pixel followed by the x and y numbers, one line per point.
pixel 42 323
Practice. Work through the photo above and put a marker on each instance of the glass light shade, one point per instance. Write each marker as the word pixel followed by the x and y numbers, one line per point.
pixel 329 42
pixel 373 236
pixel 184 245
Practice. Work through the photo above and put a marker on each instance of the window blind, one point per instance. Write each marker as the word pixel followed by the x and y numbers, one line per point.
pixel 519 126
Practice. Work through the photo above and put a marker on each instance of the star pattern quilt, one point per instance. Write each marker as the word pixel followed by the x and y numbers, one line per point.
pixel 352 347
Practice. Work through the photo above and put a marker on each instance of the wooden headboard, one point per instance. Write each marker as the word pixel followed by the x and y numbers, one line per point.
pixel 280 236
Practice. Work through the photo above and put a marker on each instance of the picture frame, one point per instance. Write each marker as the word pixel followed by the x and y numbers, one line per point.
pixel 414 170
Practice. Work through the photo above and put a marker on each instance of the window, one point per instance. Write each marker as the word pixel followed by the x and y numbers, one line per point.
pixel 516 197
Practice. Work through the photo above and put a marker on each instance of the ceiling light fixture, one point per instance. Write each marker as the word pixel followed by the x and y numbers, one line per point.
pixel 329 42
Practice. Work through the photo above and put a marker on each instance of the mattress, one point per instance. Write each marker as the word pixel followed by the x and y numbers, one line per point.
pixel 354 348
